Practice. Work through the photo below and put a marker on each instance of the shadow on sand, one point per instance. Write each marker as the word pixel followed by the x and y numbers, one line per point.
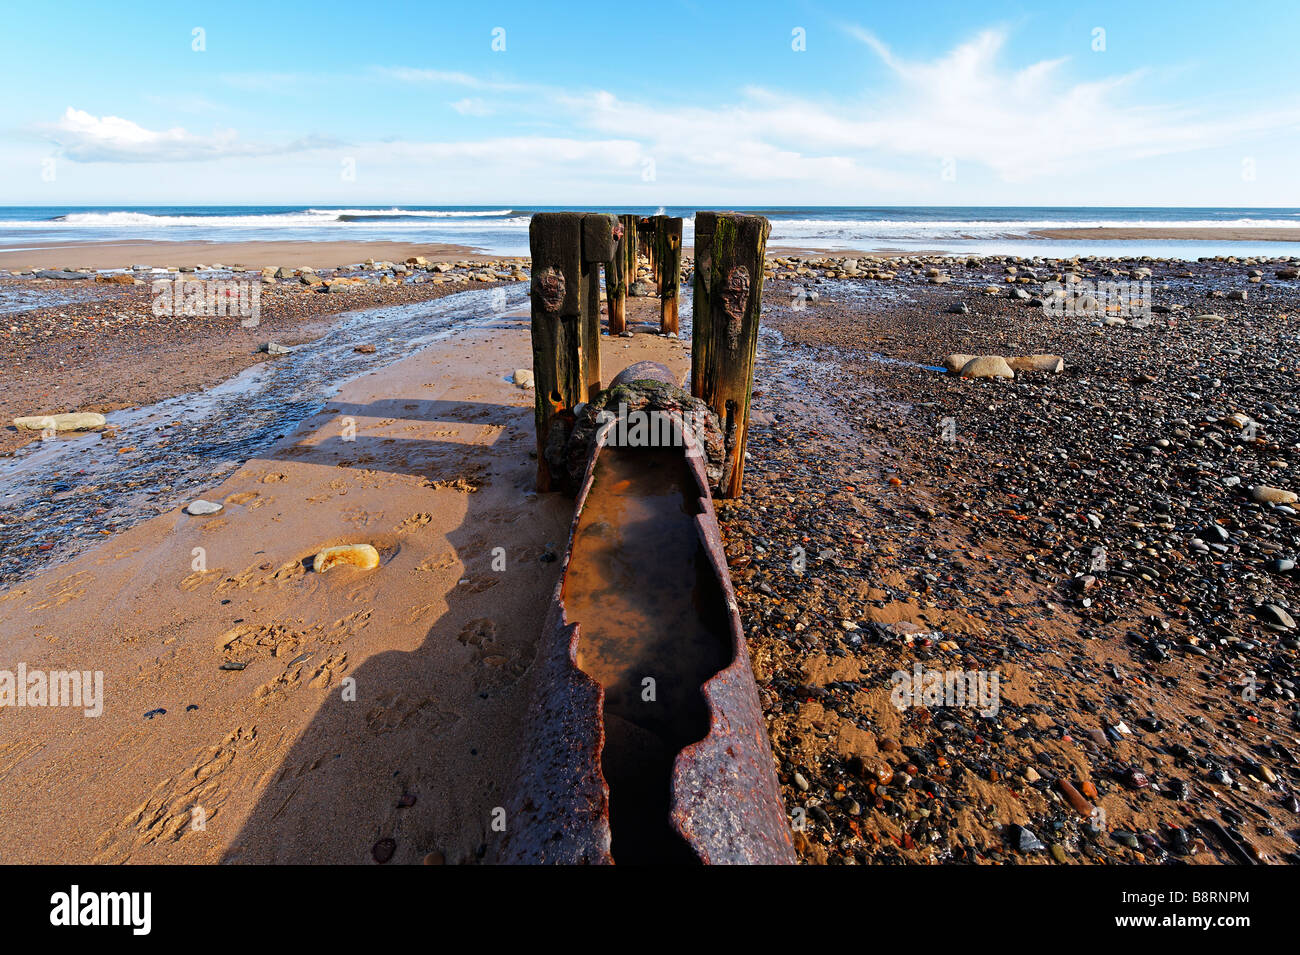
pixel 419 760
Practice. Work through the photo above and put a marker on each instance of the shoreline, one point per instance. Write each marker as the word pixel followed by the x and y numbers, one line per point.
pixel 1169 233
pixel 138 358
pixel 252 255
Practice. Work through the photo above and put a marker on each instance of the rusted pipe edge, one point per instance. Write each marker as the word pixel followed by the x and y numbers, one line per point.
pixel 725 802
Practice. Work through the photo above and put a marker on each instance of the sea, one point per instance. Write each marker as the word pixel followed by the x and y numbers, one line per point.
pixel 503 230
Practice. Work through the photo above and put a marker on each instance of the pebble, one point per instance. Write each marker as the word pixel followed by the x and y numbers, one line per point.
pixel 383 850
pixel 1273 495
pixel 362 556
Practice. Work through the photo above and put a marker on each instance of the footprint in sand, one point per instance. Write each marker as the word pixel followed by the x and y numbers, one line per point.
pixel 248 642
pixel 200 577
pixel 440 562
pixel 476 584
pixel 500 664
pixel 359 516
pixel 477 631
pixel 66 590
pixel 413 522
pixel 415 614
pixel 392 711
pixel 168 813
pixel 349 626
pixel 239 581
pixel 329 671
pixel 251 499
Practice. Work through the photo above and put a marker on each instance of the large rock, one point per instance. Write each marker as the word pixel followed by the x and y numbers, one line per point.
pixel 1272 495
pixel 363 556
pixel 1046 364
pixel 61 274
pixel 643 388
pixel 956 362
pixel 75 421
pixel 987 366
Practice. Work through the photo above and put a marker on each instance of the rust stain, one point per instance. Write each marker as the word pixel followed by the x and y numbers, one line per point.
pixel 548 287
pixel 735 297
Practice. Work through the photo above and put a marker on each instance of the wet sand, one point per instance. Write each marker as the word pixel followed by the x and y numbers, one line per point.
pixel 276 762
pixel 101 348
pixel 1110 233
pixel 255 255
pixel 1087 536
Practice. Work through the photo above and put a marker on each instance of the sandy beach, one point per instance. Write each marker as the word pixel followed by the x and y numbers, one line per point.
pixel 253 255
pixel 1121 682
pixel 270 763
pixel 1110 233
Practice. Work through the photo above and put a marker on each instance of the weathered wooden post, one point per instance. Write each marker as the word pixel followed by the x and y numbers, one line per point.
pixel 645 231
pixel 669 258
pixel 629 245
pixel 616 279
pixel 728 304
pixel 656 240
pixel 559 331
pixel 598 244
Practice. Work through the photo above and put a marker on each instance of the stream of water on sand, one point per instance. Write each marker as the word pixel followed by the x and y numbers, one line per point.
pixel 62 496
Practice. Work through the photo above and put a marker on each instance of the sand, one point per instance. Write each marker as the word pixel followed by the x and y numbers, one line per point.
pixel 113 255
pixel 1172 232
pixel 275 762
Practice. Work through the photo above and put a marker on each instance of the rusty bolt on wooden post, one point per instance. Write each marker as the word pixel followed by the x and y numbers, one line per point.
pixel 559 332
pixel 616 279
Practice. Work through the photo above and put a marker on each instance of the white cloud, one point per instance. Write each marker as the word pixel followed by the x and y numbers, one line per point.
pixel 1013 124
pixel 1020 124
pixel 88 138
pixel 1029 122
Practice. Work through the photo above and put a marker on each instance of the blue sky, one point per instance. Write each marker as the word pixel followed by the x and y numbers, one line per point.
pixel 662 103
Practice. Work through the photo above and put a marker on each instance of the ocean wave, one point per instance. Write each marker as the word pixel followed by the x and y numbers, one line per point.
pixel 307 217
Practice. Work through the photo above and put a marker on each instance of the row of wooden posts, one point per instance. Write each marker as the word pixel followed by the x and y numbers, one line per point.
pixel 568 251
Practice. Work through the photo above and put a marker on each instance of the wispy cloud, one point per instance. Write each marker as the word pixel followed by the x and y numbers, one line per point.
pixel 1023 123
pixel 1017 123
pixel 424 77
pixel 86 138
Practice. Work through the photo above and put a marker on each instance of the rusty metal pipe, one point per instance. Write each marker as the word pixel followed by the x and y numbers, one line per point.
pixel 723 803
